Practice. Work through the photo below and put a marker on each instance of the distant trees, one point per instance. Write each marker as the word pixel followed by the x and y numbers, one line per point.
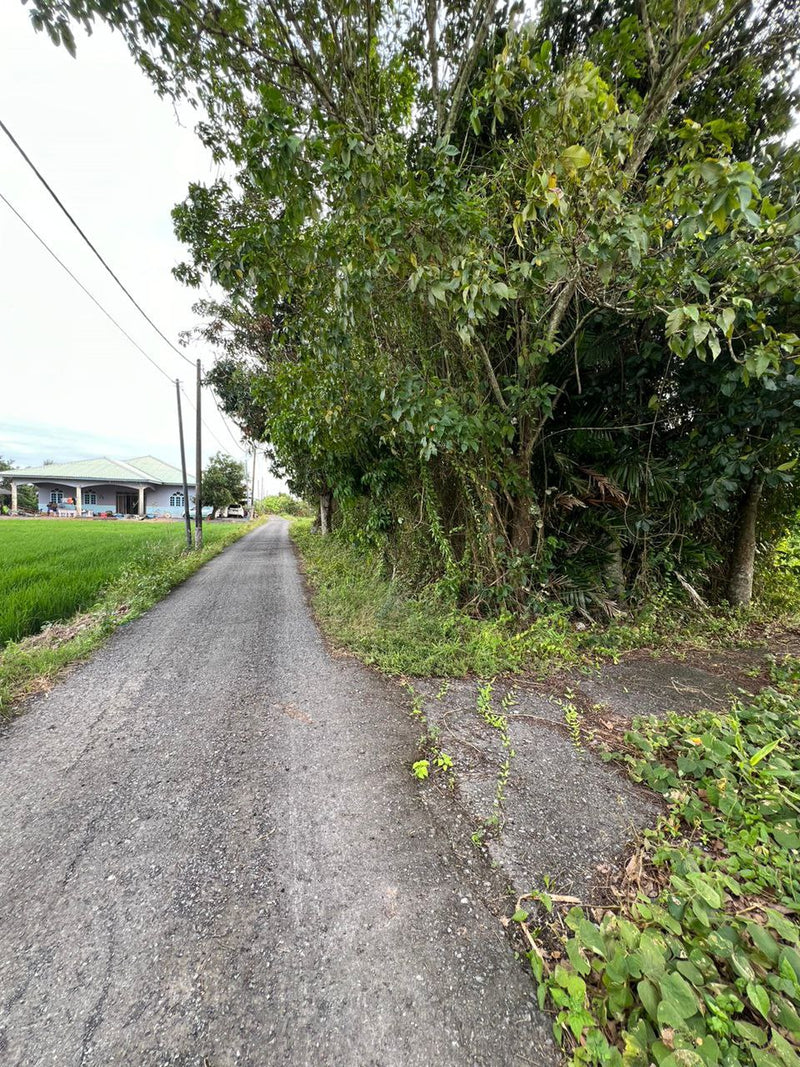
pixel 223 483
pixel 27 497
pixel 521 298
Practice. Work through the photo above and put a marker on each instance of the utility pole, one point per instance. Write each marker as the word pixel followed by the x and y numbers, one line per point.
pixel 186 515
pixel 253 487
pixel 198 488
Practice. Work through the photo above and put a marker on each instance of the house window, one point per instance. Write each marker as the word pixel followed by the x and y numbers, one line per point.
pixel 176 500
pixel 56 497
pixel 90 498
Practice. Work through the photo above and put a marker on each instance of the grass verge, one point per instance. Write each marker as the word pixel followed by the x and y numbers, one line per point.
pixel 32 664
pixel 694 961
pixel 384 625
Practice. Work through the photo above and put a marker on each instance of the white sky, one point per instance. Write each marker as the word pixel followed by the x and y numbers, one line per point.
pixel 71 386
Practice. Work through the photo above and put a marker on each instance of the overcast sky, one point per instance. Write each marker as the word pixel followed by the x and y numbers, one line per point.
pixel 71 386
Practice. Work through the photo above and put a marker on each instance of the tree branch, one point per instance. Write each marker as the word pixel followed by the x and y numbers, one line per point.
pixel 492 376
pixel 483 22
pixel 433 59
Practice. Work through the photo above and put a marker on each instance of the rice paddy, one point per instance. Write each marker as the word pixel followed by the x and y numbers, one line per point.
pixel 50 568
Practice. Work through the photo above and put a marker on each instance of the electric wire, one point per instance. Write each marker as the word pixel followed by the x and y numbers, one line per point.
pixel 221 414
pixel 202 420
pixel 111 319
pixel 80 285
pixel 60 203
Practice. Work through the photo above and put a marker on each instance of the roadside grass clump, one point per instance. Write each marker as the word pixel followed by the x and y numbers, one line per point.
pixel 694 959
pixel 31 664
pixel 385 625
pixel 402 631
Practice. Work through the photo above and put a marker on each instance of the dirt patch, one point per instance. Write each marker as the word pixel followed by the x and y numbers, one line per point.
pixel 293 712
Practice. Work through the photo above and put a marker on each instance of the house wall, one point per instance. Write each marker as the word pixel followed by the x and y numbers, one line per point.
pixel 156 500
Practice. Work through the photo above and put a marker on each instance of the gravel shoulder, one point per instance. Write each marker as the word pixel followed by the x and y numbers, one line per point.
pixel 214 853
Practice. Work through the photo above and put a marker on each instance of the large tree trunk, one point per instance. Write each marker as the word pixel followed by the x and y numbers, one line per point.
pixel 613 571
pixel 740 577
pixel 522 525
pixel 325 510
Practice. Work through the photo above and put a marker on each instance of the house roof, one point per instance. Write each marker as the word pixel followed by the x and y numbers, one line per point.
pixel 160 471
pixel 145 469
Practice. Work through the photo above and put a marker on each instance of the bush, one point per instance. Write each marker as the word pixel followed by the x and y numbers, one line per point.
pixel 283 504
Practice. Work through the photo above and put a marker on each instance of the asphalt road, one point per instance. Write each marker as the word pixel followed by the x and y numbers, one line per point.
pixel 212 852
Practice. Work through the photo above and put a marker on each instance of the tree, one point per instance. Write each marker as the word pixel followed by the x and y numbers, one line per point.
pixel 223 483
pixel 27 497
pixel 442 229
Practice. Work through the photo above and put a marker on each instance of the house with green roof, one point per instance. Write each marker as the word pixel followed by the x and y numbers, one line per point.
pixel 143 486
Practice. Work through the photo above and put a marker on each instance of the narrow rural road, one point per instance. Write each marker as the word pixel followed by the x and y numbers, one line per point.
pixel 212 852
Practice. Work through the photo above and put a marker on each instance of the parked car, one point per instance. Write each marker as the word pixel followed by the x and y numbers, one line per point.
pixel 236 511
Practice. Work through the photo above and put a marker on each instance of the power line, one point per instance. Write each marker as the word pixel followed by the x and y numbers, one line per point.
pixel 121 329
pixel 238 444
pixel 55 196
pixel 80 285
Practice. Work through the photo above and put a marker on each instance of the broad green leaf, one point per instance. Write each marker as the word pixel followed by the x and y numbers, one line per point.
pixel 590 937
pixel 765 750
pixel 576 156
pixel 677 992
pixel 758 997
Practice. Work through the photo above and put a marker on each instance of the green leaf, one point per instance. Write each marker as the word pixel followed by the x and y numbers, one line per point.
pixel 764 941
pixel 674 321
pixel 652 950
pixel 765 750
pixel 683 1057
pixel 691 973
pixel 757 995
pixel 764 1059
pixel 705 890
pixel 678 994
pixel 576 157
pixel 648 995
pixel 786 1054
pixel 754 1035
pixel 590 937
pixel 742 965
pixel 787 930
pixel 726 319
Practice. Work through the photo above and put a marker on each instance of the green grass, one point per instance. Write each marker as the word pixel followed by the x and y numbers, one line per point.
pixel 110 574
pixel 51 569
pixel 379 619
pixel 696 963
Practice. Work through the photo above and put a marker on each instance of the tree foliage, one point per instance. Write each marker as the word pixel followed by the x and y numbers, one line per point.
pixel 223 483
pixel 522 296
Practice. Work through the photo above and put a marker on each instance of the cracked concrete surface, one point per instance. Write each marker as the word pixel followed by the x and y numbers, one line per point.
pixel 212 853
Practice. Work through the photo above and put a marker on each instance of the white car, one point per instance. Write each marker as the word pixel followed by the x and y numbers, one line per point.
pixel 236 511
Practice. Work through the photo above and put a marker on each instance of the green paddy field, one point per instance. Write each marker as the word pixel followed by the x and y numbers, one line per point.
pixel 51 568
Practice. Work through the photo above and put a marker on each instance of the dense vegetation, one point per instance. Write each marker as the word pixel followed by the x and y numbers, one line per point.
pixel 385 623
pixel 519 298
pixel 283 504
pixel 697 962
pixel 52 569
pixel 516 300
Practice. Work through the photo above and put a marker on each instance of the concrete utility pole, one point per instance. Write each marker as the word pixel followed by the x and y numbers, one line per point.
pixel 253 487
pixel 198 487
pixel 186 516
